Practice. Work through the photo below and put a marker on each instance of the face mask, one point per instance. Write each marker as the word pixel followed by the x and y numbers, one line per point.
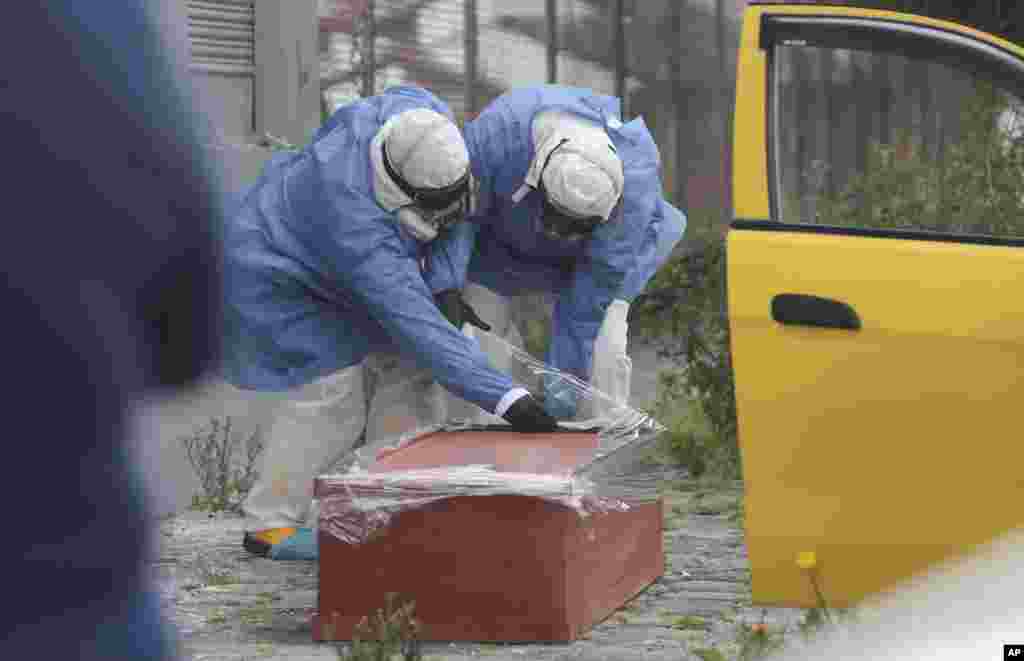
pixel 556 222
pixel 426 224
pixel 433 210
pixel 560 224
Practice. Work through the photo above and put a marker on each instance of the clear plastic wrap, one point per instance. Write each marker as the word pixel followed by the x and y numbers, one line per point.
pixel 615 475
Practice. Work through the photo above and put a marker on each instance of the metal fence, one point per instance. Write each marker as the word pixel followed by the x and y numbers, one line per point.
pixel 839 109
pixel 671 63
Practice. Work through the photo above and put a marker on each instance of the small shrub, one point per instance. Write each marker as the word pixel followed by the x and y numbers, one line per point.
pixel 737 512
pixel 718 503
pixel 225 463
pixel 820 618
pixel 209 574
pixel 392 631
pixel 758 641
pixel 812 621
pixel 684 312
pixel 221 580
pixel 274 143
pixel 217 616
pixel 691 439
pixel 260 614
pixel 709 654
pixel 690 622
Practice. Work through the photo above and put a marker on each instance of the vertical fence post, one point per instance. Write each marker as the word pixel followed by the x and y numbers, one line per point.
pixel 470 52
pixel 724 109
pixel 369 82
pixel 620 54
pixel 804 139
pixel 551 13
pixel 832 119
pixel 682 171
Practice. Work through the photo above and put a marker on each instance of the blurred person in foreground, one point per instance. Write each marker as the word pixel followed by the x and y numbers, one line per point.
pixel 570 204
pixel 110 295
pixel 327 307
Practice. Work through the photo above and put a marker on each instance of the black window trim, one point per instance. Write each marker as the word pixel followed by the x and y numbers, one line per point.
pixel 899 37
pixel 772 137
pixel 887 35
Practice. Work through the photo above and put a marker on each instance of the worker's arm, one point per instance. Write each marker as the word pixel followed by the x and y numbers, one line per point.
pixel 358 251
pixel 611 257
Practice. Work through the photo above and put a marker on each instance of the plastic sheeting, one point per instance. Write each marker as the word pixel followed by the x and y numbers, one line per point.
pixel 611 473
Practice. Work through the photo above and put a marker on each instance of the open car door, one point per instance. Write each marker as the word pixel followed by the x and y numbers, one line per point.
pixel 876 296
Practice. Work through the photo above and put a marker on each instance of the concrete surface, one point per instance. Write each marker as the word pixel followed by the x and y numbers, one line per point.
pixel 230 606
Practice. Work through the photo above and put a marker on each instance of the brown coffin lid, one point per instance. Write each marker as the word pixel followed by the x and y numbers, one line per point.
pixel 547 453
pixel 557 453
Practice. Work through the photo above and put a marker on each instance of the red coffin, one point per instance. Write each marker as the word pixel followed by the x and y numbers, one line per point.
pixel 496 568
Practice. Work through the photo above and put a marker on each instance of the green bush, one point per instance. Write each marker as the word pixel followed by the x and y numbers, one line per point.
pixel 975 187
pixel 684 310
pixel 224 460
pixel 759 641
pixel 691 439
pixel 391 634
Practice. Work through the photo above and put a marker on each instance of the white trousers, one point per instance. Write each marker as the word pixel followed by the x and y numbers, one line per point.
pixel 611 369
pixel 314 426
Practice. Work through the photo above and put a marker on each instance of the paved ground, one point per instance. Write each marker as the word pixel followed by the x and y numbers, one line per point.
pixel 229 606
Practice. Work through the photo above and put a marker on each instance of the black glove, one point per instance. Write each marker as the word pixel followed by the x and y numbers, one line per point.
pixel 528 416
pixel 457 311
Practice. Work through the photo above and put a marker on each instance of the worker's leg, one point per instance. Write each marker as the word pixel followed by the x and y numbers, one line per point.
pixel 310 429
pixel 402 398
pixel 612 368
pixel 495 310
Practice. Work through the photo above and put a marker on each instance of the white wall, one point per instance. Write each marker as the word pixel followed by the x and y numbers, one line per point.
pixel 287 69
pixel 282 99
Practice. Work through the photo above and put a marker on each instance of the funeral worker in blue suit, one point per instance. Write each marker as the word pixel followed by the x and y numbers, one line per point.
pixel 569 204
pixel 328 307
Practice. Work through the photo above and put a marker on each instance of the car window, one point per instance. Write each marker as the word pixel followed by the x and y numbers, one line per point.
pixel 883 141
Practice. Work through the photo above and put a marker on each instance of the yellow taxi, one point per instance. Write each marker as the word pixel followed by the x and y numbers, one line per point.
pixel 877 352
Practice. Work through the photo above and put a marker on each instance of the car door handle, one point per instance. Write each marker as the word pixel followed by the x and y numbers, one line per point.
pixel 807 310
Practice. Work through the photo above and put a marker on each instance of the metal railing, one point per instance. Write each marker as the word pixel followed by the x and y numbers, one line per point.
pixel 671 63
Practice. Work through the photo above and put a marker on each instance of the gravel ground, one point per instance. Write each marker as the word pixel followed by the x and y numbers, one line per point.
pixel 228 605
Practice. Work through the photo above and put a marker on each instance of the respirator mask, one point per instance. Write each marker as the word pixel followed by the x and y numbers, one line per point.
pixel 433 210
pixel 555 221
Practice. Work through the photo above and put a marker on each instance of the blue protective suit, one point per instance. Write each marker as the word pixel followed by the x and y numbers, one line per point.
pixel 318 275
pixel 505 250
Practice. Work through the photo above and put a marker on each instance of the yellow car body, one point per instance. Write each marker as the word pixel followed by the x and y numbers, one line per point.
pixel 878 372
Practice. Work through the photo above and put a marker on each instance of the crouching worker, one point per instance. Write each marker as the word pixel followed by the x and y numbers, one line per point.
pixel 570 205
pixel 327 305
